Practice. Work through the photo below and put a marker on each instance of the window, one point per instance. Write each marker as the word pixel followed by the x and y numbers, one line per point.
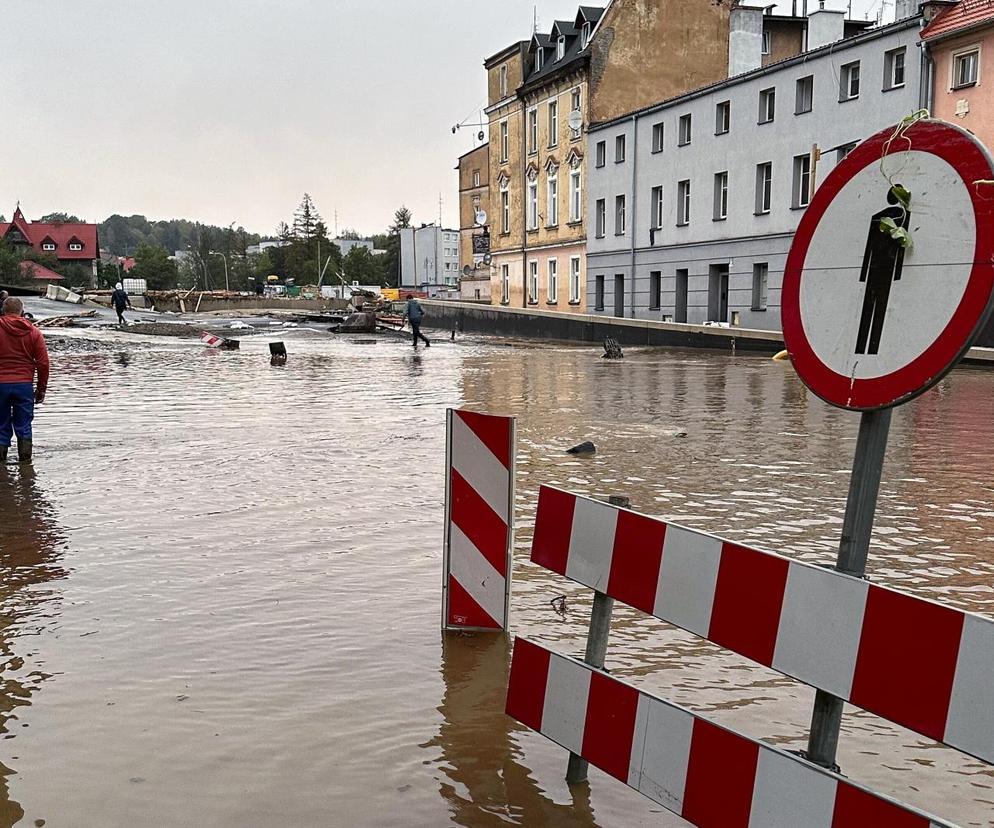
pixel 576 105
pixel 505 210
pixel 767 43
pixel 802 180
pixel 655 290
pixel 575 197
pixel 619 215
pixel 760 279
pixel 503 80
pixel 803 94
pixel 553 123
pixel 585 35
pixel 601 154
pixel 533 205
pixel 720 196
pixel 505 284
pixel 850 82
pixel 552 193
pixel 574 279
pixel 619 148
pixel 764 188
pixel 767 105
pixel 684 137
pixel 49 246
pixel 552 284
pixel 656 206
pixel 966 68
pixel 539 58
pixel 894 68
pixel 476 178
pixel 722 117
pixel 657 137
pixel 600 218
pixel 532 131
pixel 683 203
pixel 532 282
pixel 843 151
pixel 504 142
pixel 75 246
pixel 599 292
pixel 560 48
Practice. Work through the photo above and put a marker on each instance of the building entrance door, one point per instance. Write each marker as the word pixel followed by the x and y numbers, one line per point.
pixel 718 293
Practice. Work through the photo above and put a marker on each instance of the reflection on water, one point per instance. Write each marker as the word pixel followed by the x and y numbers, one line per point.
pixel 249 636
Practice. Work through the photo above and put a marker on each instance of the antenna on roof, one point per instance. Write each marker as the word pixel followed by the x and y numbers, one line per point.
pixel 534 20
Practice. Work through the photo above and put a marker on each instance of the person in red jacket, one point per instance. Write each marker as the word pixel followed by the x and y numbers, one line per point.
pixel 23 355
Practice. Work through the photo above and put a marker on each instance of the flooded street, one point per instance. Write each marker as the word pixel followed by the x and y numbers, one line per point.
pixel 221 591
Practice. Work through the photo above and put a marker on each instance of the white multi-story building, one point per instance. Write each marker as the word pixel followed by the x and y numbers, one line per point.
pixel 693 202
pixel 429 259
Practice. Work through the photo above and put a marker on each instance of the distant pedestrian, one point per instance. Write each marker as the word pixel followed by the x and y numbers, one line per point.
pixel 3 297
pixel 415 314
pixel 120 300
pixel 23 355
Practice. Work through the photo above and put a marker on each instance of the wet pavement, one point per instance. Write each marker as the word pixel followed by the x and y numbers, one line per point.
pixel 221 579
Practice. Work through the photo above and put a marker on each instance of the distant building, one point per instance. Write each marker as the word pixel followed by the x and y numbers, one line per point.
pixel 70 243
pixel 429 260
pixel 39 276
pixel 474 238
pixel 253 249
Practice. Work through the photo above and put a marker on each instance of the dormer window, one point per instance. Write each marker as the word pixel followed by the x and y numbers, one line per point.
pixel 585 33
pixel 48 246
pixel 75 245
pixel 539 58
pixel 561 48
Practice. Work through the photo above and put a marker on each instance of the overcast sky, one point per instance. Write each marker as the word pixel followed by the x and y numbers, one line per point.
pixel 227 112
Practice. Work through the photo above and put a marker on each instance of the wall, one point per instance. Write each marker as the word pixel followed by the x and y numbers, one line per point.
pixel 209 304
pixel 979 98
pixel 743 239
pixel 648 50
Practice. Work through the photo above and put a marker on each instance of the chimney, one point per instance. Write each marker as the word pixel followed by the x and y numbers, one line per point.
pixel 904 9
pixel 825 26
pixel 745 40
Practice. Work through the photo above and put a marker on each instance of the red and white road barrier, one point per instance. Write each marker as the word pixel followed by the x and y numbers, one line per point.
pixel 479 520
pixel 920 664
pixel 710 776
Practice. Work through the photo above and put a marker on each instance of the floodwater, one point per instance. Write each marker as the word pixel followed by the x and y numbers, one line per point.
pixel 220 602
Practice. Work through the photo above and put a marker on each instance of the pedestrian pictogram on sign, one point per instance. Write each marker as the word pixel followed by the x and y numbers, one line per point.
pixel 891 272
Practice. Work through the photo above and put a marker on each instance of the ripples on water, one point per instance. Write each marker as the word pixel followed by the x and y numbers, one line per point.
pixel 221 592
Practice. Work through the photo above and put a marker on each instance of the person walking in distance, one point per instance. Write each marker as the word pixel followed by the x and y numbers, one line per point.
pixel 415 313
pixel 23 356
pixel 120 300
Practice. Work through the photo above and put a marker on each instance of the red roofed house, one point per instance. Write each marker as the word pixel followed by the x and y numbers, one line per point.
pixel 959 39
pixel 69 243
pixel 39 274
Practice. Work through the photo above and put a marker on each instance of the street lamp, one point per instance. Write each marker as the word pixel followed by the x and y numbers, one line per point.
pixel 225 259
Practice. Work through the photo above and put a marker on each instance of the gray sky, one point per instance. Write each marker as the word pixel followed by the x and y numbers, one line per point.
pixel 227 112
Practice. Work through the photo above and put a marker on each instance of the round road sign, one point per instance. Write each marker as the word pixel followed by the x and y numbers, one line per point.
pixel 891 271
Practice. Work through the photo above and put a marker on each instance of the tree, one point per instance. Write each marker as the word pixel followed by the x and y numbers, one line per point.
pixel 349 233
pixel 363 267
pixel 152 263
pixel 391 265
pixel 306 219
pixel 60 218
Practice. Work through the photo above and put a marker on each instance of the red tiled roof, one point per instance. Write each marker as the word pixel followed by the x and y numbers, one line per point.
pixel 62 234
pixel 964 15
pixel 40 273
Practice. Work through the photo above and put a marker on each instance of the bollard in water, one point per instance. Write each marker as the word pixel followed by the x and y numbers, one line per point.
pixel 597 636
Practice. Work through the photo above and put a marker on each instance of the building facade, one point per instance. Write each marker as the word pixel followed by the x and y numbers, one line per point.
pixel 474 237
pixel 694 201
pixel 74 243
pixel 429 260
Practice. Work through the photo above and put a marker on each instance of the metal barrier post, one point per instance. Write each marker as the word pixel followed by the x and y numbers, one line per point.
pixel 597 636
pixel 864 486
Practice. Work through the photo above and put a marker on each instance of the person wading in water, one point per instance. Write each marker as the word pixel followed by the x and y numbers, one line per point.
pixel 415 313
pixel 23 354
pixel 120 300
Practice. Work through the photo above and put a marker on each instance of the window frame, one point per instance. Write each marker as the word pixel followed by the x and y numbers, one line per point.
pixel 722 117
pixel 502 74
pixel 656 207
pixel 574 279
pixel 658 137
pixel 533 130
pixel 685 136
pixel 764 188
pixel 575 196
pixel 847 72
pixel 600 154
pixel 532 284
pixel 890 68
pixel 806 83
pixel 621 212
pixel 505 210
pixel 539 59
pixel 599 290
pixel 957 57
pixel 767 45
pixel 48 247
pixel 801 193
pixel 553 123
pixel 720 196
pixel 600 218
pixel 760 286
pixel 683 203
pixel 532 205
pixel 560 47
pixel 505 141
pixel 620 148
pixel 767 105
pixel 476 178
pixel 552 196
pixel 552 281
pixel 505 284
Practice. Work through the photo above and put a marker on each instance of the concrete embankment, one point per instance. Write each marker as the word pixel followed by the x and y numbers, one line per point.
pixel 496 320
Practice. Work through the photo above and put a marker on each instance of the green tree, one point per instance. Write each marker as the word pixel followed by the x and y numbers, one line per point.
pixel 391 265
pixel 152 263
pixel 363 267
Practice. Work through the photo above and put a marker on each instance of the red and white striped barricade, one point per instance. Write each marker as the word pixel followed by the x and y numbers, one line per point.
pixel 710 776
pixel 479 521
pixel 918 663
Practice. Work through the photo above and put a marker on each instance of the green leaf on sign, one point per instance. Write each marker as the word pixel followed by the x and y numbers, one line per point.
pixel 902 195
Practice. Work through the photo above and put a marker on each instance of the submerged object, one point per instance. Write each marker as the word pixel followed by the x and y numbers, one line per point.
pixel 219 342
pixel 612 349
pixel 783 355
pixel 584 448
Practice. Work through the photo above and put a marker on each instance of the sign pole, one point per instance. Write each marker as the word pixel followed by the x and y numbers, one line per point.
pixel 857 525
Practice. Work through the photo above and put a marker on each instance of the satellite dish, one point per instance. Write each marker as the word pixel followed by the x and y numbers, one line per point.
pixel 487 258
pixel 576 120
pixel 467 270
pixel 481 217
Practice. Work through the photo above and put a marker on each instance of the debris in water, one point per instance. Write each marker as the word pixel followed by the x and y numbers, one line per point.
pixel 583 448
pixel 612 349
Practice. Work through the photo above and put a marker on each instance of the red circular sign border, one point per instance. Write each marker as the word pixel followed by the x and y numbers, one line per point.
pixel 972 163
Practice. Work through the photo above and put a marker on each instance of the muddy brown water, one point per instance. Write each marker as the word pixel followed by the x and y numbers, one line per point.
pixel 220 602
